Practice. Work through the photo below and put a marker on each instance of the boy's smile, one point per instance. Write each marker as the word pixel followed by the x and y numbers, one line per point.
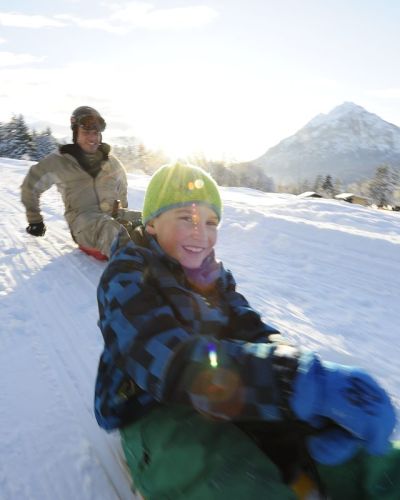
pixel 187 234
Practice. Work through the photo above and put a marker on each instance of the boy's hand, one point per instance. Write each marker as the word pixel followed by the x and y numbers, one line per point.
pixel 350 398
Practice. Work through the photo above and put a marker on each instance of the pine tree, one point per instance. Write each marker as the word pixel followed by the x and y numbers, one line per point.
pixel 44 144
pixel 16 139
pixel 327 186
pixel 3 144
pixel 317 186
pixel 382 187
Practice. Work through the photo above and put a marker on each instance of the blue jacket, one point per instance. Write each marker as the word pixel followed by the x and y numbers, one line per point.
pixel 166 341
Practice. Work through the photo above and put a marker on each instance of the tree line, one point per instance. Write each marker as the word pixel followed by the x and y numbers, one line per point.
pixel 19 142
pixel 382 189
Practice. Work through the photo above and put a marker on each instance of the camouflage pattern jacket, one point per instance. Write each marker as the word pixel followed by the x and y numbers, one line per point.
pixel 166 342
pixel 85 197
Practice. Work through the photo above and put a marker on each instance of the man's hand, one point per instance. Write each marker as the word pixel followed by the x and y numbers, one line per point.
pixel 37 229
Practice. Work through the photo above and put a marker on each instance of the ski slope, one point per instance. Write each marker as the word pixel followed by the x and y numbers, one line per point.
pixel 325 272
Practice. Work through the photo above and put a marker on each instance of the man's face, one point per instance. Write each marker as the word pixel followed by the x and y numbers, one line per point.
pixel 187 234
pixel 88 140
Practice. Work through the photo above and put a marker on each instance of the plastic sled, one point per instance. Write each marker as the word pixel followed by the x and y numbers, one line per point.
pixel 305 488
pixel 93 252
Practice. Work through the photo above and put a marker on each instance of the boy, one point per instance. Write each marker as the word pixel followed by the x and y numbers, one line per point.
pixel 210 401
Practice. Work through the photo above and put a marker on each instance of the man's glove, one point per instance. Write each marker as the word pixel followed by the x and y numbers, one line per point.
pixel 327 393
pixel 37 229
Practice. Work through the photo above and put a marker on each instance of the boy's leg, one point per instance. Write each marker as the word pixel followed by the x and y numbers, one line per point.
pixel 365 477
pixel 175 453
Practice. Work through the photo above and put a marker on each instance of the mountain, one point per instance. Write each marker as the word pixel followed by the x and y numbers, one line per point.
pixel 347 143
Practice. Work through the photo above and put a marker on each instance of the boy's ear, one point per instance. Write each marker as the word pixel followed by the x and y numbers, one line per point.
pixel 150 227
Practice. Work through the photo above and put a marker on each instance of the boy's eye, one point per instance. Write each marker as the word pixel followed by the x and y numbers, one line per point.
pixel 212 223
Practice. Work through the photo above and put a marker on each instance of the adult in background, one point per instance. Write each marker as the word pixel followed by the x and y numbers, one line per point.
pixel 92 183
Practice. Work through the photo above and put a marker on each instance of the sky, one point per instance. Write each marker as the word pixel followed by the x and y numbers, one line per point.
pixel 324 272
pixel 224 78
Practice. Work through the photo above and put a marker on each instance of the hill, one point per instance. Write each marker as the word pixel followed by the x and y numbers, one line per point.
pixel 325 272
pixel 348 143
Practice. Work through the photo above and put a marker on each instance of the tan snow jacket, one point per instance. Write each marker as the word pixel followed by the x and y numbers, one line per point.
pixel 86 199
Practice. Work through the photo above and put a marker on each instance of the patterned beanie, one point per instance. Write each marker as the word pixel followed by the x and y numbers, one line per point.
pixel 178 185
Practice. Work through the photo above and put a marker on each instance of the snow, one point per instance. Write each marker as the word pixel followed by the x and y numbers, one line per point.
pixel 323 271
pixel 346 111
pixel 347 135
pixel 355 128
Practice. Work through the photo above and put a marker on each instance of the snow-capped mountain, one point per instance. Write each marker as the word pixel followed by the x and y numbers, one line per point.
pixel 347 143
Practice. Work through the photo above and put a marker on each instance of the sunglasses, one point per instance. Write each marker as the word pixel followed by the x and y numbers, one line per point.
pixel 91 122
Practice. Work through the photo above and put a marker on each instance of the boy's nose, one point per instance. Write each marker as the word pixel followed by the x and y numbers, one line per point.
pixel 199 231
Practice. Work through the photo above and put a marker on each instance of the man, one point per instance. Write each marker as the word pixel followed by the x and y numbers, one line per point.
pixel 92 183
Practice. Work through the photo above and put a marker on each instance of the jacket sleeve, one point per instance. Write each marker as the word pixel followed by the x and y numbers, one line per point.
pixel 231 379
pixel 39 178
pixel 244 321
pixel 123 183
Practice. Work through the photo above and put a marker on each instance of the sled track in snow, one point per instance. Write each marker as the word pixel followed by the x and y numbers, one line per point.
pixel 50 332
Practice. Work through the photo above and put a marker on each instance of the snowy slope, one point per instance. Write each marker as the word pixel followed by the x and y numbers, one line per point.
pixel 325 272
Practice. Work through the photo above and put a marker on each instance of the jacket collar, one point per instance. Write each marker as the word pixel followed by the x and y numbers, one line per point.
pixel 75 150
pixel 202 279
pixel 221 277
pixel 91 165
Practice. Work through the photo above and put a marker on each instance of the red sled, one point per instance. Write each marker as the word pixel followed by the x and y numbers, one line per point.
pixel 93 252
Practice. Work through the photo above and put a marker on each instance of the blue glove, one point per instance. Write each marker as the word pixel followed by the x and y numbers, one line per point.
pixel 324 392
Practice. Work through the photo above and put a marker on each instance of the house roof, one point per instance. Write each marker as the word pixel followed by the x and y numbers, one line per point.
pixel 309 194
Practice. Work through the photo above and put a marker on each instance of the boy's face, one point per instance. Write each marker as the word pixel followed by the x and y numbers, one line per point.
pixel 187 234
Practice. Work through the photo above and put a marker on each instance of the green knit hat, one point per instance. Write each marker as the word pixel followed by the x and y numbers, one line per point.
pixel 177 185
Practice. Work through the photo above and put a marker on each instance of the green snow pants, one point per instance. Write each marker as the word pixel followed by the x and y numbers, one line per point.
pixel 175 453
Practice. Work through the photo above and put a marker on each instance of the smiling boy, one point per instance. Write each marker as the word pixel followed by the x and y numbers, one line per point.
pixel 211 402
pixel 186 234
